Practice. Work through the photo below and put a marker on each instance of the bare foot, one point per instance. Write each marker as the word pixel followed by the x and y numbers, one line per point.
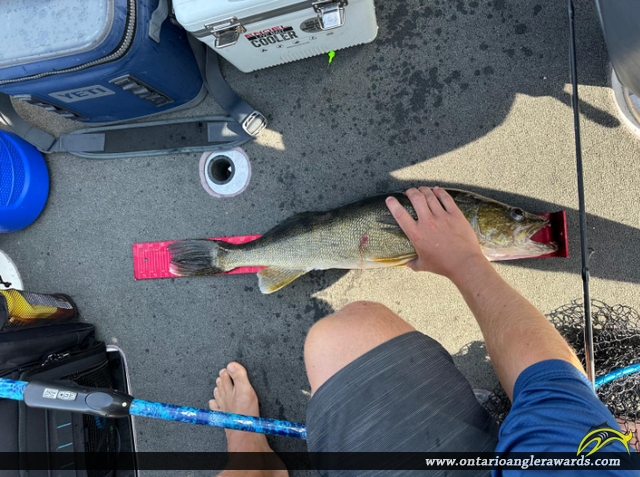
pixel 234 393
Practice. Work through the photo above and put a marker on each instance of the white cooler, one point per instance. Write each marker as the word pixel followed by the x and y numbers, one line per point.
pixel 255 34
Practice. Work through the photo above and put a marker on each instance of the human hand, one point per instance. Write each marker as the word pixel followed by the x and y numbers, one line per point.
pixel 443 238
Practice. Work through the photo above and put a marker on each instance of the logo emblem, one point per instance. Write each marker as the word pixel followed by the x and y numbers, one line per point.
pixel 49 393
pixel 82 94
pixel 67 395
pixel 602 436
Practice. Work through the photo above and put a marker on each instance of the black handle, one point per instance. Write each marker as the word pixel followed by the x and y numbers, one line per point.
pixel 67 396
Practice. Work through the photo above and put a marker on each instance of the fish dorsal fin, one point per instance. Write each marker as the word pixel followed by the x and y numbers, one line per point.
pixel 273 279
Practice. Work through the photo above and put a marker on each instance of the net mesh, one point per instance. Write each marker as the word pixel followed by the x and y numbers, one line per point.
pixel 616 338
pixel 30 310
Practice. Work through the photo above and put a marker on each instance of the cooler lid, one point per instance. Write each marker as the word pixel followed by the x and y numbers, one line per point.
pixel 194 14
pixel 39 30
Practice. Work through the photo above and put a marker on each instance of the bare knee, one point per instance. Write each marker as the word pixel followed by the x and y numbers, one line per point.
pixel 363 309
pixel 349 333
pixel 360 320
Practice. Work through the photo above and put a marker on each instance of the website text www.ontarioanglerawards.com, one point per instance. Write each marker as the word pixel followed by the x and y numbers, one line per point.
pixel 523 463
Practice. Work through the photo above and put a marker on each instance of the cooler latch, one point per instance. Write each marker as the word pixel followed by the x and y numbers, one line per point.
pixel 226 31
pixel 330 13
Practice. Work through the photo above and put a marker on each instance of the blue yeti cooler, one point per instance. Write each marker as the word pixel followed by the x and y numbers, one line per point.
pixel 96 61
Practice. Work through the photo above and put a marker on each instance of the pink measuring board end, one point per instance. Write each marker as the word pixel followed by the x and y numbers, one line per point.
pixel 555 232
pixel 151 259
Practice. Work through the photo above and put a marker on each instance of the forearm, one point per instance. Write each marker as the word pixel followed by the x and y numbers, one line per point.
pixel 516 334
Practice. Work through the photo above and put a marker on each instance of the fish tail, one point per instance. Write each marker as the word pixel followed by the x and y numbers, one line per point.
pixel 192 258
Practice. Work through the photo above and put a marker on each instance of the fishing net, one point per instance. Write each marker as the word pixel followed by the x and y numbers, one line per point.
pixel 616 338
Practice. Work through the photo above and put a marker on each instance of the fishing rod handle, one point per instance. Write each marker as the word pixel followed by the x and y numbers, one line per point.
pixel 112 403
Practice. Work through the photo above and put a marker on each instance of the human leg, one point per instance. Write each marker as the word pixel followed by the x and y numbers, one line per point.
pixel 340 338
pixel 380 385
pixel 233 393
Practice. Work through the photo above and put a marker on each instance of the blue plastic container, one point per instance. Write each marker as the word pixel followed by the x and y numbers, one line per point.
pixel 24 183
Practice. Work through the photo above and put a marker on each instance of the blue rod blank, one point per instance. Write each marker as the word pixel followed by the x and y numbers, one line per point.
pixel 205 417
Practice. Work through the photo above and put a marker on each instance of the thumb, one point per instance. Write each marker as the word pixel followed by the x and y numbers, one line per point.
pixel 414 264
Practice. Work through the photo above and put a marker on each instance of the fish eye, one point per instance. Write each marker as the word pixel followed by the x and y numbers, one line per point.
pixel 517 214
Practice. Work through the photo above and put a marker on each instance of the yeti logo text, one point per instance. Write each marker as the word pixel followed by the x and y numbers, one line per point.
pixel 82 94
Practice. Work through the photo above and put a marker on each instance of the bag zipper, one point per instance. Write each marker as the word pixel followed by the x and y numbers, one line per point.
pixel 120 51
pixel 51 359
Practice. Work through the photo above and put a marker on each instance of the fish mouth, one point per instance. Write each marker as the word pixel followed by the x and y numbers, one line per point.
pixel 533 229
pixel 535 242
pixel 538 237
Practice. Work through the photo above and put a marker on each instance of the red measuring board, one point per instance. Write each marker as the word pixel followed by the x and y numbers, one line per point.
pixel 151 259
pixel 555 232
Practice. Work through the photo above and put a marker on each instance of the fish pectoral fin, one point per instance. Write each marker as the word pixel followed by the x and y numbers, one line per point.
pixel 394 261
pixel 389 225
pixel 273 279
pixel 388 219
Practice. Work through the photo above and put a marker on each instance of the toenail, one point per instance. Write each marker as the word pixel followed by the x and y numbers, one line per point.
pixel 232 367
pixel 218 380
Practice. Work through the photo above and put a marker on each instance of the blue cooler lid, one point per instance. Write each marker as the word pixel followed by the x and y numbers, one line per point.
pixel 41 36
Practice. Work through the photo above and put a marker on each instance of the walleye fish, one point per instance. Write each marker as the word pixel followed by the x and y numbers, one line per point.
pixel 359 235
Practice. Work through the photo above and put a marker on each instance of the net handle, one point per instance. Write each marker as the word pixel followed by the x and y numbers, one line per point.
pixel 588 323
pixel 617 374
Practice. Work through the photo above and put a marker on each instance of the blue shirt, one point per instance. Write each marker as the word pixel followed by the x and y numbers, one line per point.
pixel 554 407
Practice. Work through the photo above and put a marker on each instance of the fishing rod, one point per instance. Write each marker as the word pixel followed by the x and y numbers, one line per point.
pixel 111 403
pixel 588 323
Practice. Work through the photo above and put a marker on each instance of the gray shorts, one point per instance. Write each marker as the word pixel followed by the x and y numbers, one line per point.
pixel 406 395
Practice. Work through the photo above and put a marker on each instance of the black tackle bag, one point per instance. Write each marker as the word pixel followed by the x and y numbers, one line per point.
pixel 72 444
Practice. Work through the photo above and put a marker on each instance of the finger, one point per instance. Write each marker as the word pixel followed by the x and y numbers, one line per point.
pixel 419 202
pixel 432 201
pixel 446 200
pixel 402 216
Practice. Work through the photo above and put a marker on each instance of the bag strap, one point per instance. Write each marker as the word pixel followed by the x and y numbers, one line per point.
pixel 26 131
pixel 251 120
pixel 150 138
pixel 158 17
